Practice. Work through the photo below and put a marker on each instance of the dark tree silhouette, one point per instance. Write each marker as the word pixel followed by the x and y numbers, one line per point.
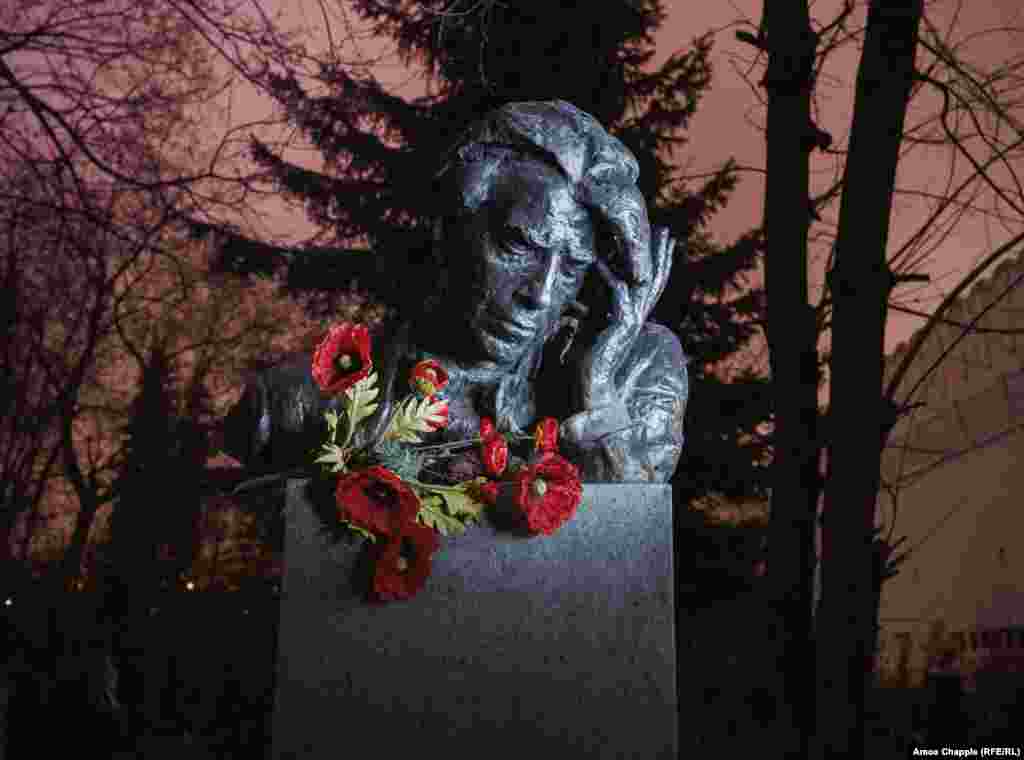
pixel 154 522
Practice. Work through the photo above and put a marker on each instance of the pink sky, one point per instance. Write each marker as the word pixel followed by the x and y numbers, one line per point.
pixel 727 124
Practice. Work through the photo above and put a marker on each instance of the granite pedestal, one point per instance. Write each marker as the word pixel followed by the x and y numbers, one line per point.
pixel 518 647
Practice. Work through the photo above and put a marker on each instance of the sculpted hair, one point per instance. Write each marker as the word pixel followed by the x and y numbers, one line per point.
pixel 601 172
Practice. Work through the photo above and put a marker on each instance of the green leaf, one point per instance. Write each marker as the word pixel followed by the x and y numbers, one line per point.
pixel 332 423
pixel 398 458
pixel 414 416
pixel 433 514
pixel 359 399
pixel 335 456
pixel 442 523
pixel 359 530
pixel 430 501
pixel 461 504
pixel 457 500
pixel 448 509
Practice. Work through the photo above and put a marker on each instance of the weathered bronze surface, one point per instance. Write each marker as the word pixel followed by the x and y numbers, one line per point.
pixel 533 197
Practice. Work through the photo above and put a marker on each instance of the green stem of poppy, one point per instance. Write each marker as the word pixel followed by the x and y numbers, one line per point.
pixel 467 443
pixel 349 427
pixel 434 487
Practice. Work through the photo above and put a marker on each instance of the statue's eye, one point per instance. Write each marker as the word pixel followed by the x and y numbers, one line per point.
pixel 514 238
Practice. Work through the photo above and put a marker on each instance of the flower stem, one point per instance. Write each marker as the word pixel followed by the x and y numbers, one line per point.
pixel 433 486
pixel 449 446
pixel 349 427
pixel 466 443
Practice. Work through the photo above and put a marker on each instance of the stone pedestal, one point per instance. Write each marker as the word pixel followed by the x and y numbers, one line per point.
pixel 518 647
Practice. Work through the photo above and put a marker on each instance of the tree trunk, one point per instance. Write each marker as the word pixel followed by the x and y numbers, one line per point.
pixel 8 523
pixel 860 286
pixel 31 524
pixel 792 342
pixel 89 502
pixel 71 563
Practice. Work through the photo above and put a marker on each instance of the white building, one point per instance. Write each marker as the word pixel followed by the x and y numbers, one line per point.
pixel 955 468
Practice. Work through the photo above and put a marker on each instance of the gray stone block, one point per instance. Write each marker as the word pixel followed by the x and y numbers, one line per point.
pixel 560 646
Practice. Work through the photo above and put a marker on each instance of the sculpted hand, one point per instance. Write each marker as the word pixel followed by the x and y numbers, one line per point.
pixel 634 294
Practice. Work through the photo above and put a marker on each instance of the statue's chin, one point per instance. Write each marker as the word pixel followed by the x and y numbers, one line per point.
pixel 482 339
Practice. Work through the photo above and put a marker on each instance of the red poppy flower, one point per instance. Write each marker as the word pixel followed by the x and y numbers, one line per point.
pixel 402 562
pixel 375 499
pixel 487 429
pixel 343 357
pixel 545 437
pixel 428 377
pixel 494 453
pixel 547 493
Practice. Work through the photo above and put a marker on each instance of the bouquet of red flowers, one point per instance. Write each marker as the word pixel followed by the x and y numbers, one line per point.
pixel 380 492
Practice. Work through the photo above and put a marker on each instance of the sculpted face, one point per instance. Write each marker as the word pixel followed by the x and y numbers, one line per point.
pixel 522 261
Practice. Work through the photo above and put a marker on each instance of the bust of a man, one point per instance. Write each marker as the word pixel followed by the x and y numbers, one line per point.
pixel 532 197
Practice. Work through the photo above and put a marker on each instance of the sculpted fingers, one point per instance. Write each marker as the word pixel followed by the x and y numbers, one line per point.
pixel 663 253
pixel 623 209
pixel 621 310
pixel 645 296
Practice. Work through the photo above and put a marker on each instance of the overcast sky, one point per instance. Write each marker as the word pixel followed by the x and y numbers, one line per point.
pixel 728 122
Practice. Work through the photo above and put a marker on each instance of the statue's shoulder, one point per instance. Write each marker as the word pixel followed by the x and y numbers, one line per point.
pixel 657 359
pixel 658 398
pixel 293 372
pixel 276 403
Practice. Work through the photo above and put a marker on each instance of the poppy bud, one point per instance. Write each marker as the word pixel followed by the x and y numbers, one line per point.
pixel 545 437
pixel 428 377
pixel 494 453
pixel 487 429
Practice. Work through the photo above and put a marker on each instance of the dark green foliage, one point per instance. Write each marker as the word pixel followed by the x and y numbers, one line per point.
pixel 718 559
pixel 381 152
pixel 398 458
pixel 159 485
pixel 727 450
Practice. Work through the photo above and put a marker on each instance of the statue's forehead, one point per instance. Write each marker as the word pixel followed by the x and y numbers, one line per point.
pixel 537 197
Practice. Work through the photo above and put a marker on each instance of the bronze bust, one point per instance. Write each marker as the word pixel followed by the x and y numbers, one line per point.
pixel 532 197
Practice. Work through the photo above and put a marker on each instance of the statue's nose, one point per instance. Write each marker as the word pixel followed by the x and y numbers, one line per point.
pixel 539 290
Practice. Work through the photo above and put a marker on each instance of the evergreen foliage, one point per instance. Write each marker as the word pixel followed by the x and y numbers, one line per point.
pixel 153 523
